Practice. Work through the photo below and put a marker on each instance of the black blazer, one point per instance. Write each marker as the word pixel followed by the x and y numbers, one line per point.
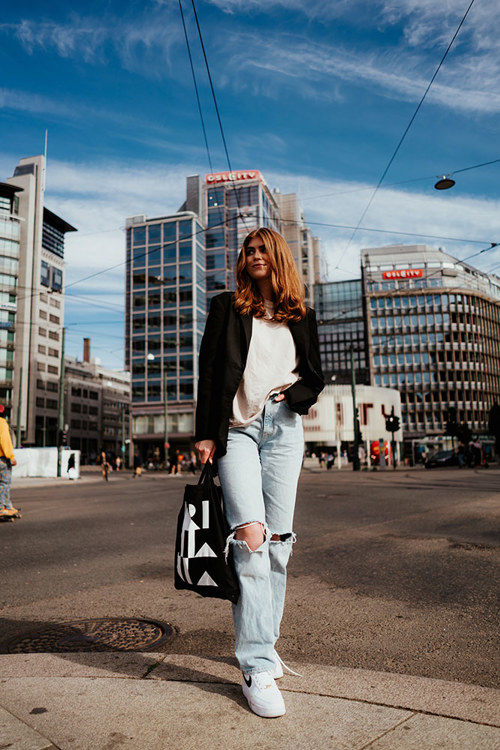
pixel 223 355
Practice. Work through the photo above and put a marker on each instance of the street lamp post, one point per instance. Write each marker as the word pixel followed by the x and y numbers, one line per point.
pixel 19 405
pixel 355 418
pixel 165 416
pixel 60 419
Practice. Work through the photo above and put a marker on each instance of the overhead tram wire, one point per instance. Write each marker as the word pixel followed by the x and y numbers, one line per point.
pixel 391 231
pixel 491 246
pixel 406 131
pixel 200 111
pixel 219 119
pixel 401 182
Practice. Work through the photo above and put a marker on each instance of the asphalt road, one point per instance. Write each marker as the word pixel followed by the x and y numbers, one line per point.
pixel 392 571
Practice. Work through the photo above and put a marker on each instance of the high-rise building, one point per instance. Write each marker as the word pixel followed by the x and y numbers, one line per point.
pixel 164 323
pixel 342 331
pixel 433 327
pixel 175 265
pixel 39 317
pixel 10 231
pixel 305 248
pixel 230 204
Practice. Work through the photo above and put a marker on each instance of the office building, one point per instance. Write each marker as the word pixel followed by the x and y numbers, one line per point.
pixel 96 407
pixel 10 231
pixel 164 322
pixel 305 248
pixel 175 265
pixel 230 205
pixel 39 315
pixel 342 331
pixel 433 327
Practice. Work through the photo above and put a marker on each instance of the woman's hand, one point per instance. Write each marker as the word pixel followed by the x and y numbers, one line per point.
pixel 206 449
pixel 280 397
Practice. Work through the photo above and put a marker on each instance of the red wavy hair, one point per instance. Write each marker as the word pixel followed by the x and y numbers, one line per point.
pixel 288 289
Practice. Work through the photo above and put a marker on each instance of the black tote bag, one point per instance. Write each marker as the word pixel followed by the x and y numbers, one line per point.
pixel 202 532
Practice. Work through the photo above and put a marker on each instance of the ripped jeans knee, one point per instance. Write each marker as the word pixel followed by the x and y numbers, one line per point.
pixel 251 535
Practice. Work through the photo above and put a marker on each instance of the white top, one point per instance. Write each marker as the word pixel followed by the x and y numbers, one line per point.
pixel 270 368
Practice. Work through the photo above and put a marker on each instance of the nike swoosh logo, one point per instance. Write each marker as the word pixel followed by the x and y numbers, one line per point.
pixel 248 681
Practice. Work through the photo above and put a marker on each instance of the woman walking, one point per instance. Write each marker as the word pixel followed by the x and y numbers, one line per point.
pixel 259 370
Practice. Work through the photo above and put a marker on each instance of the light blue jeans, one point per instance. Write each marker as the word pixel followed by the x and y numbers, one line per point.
pixel 5 482
pixel 259 475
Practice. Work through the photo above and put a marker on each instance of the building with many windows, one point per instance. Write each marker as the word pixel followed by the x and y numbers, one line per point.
pixel 175 265
pixel 342 331
pixel 39 315
pixel 305 248
pixel 230 204
pixel 10 231
pixel 433 327
pixel 164 319
pixel 96 407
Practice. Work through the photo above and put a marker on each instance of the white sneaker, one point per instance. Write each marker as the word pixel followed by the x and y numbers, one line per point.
pixel 263 695
pixel 278 667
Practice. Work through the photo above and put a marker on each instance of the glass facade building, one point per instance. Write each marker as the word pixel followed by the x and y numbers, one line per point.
pixel 9 270
pixel 165 318
pixel 341 326
pixel 40 309
pixel 231 209
pixel 433 327
pixel 175 265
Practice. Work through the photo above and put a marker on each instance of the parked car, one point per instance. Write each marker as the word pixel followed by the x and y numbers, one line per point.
pixel 442 458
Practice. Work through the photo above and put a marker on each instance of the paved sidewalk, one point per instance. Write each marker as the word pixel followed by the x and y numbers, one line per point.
pixel 152 701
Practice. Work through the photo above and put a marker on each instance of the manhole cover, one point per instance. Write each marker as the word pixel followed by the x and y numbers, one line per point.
pixel 103 634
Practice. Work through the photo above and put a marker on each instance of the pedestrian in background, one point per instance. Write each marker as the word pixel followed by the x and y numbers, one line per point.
pixel 192 462
pixel 137 465
pixel 259 370
pixel 175 458
pixel 7 461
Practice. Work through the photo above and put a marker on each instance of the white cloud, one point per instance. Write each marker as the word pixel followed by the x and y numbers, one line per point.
pixel 97 199
pixel 394 212
pixel 142 44
pixel 471 84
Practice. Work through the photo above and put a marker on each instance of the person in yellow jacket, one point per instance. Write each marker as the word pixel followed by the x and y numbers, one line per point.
pixel 7 461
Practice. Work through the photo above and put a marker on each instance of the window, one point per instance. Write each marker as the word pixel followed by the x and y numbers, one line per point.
pixel 139 236
pixel 42 314
pixel 56 279
pixel 154 392
pixel 154 233
pixel 45 274
pixel 53 369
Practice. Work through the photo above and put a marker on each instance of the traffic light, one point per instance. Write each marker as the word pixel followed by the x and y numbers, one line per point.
pixel 451 421
pixel 392 423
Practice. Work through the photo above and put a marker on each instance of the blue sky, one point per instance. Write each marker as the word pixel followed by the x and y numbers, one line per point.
pixel 314 93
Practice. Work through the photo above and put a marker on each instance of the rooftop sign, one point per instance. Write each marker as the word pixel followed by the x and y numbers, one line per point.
pixel 405 273
pixel 218 177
